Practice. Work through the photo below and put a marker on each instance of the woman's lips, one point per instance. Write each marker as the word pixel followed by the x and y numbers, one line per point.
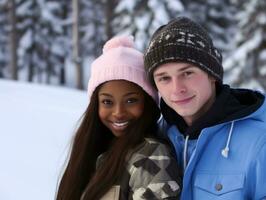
pixel 120 125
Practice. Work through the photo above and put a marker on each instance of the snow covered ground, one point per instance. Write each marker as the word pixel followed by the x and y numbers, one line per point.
pixel 36 126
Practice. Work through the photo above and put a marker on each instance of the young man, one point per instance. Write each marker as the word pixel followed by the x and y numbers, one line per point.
pixel 218 133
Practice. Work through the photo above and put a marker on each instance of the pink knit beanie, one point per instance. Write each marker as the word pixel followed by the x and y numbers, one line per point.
pixel 120 61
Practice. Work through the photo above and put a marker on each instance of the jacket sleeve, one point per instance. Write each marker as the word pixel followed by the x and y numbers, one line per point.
pixel 154 174
pixel 259 174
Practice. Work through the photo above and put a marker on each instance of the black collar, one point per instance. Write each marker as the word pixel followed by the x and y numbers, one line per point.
pixel 230 104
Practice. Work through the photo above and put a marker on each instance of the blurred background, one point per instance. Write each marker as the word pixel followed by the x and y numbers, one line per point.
pixel 53 42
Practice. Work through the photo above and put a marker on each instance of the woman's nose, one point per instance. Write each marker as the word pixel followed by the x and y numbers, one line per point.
pixel 119 111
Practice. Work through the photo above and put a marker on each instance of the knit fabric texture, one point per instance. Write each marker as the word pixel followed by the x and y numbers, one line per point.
pixel 120 61
pixel 183 40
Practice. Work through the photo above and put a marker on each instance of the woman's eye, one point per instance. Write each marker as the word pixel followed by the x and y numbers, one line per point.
pixel 106 102
pixel 132 100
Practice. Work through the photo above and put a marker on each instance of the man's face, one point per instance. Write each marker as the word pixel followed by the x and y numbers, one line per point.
pixel 186 89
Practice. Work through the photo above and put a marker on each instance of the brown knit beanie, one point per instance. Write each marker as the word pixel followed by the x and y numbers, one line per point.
pixel 183 40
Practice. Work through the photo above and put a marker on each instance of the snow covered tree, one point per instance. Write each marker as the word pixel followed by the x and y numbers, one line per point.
pixel 92 27
pixel 218 17
pixel 13 39
pixel 246 67
pixel 42 45
pixel 3 39
pixel 76 44
pixel 141 18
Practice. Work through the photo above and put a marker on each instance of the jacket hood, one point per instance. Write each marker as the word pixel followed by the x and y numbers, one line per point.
pixel 230 104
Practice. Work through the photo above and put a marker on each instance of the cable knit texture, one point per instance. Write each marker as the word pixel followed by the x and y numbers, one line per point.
pixel 120 61
pixel 183 40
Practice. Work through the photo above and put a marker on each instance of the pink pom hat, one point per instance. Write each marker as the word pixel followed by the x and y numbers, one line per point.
pixel 120 61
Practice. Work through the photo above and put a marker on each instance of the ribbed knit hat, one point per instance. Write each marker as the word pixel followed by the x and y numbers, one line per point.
pixel 183 40
pixel 120 61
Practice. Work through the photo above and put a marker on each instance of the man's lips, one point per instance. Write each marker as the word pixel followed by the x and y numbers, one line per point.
pixel 183 101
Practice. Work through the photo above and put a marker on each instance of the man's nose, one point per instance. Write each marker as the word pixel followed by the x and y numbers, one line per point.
pixel 178 86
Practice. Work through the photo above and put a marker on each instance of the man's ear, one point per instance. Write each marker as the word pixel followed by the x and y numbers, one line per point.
pixel 212 78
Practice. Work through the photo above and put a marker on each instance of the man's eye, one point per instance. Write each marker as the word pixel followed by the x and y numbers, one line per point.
pixel 164 78
pixel 188 73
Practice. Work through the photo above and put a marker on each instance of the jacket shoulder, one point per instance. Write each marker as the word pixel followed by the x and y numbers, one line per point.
pixel 152 168
pixel 153 147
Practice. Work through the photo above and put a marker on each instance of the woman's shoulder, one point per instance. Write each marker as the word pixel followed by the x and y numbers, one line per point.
pixel 151 148
pixel 156 143
pixel 152 168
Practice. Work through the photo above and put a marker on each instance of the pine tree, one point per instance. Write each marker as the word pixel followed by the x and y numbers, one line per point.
pixel 3 39
pixel 13 39
pixel 247 65
pixel 42 44
pixel 141 18
pixel 218 17
pixel 92 27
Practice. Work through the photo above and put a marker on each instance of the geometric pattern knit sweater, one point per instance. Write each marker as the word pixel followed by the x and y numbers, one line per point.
pixel 151 174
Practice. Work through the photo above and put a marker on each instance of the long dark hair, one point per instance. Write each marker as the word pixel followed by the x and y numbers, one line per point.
pixel 91 140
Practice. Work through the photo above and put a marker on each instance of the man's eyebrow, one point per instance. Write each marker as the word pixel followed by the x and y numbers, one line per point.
pixel 160 74
pixel 188 66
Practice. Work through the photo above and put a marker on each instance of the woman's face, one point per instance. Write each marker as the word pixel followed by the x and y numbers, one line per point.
pixel 120 103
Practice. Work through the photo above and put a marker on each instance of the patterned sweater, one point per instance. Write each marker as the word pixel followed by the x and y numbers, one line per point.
pixel 151 174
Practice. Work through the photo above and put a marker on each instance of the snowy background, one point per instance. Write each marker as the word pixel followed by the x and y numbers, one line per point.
pixel 37 123
pixel 36 36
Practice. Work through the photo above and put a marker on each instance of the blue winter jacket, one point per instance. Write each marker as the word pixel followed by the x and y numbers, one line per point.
pixel 227 161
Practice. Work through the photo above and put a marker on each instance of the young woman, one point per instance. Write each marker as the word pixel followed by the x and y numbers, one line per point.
pixel 115 154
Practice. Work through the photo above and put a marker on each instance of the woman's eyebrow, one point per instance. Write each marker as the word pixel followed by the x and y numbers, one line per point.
pixel 105 94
